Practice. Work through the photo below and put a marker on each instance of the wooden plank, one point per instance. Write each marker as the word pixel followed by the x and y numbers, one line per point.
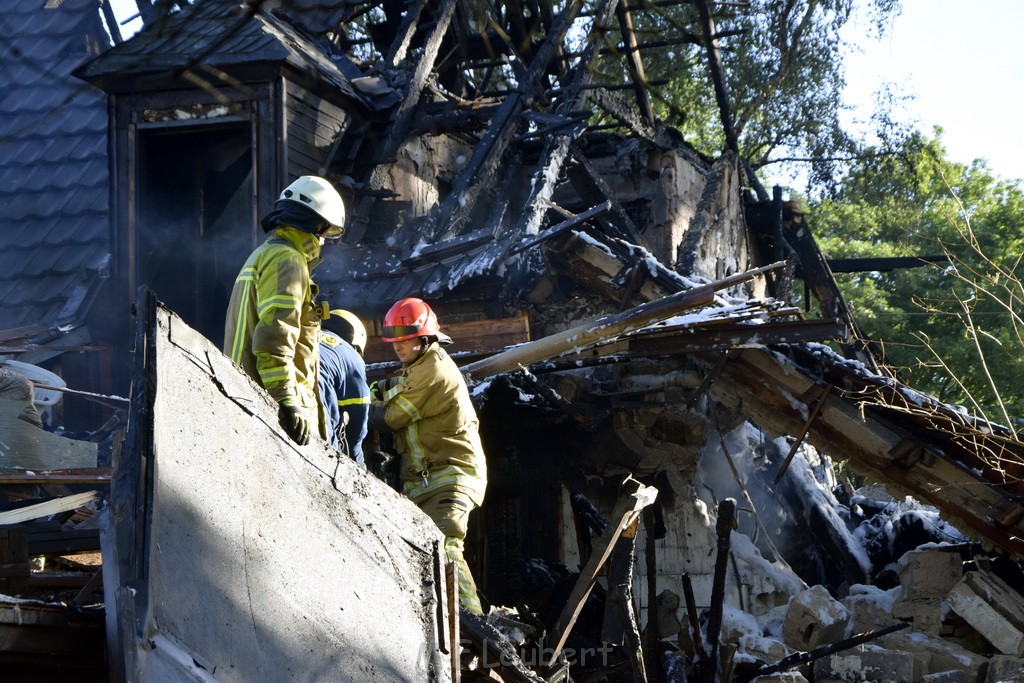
pixel 47 508
pixel 56 580
pixel 635 498
pixel 80 475
pixel 606 328
pixel 476 336
pixel 94 583
pixel 634 63
pixel 64 542
pixel 451 579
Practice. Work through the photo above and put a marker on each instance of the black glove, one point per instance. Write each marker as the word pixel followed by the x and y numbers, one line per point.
pixel 294 422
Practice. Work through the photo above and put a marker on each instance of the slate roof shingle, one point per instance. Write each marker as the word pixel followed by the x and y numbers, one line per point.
pixel 54 247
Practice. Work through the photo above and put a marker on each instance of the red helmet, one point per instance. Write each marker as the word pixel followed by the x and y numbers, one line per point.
pixel 411 318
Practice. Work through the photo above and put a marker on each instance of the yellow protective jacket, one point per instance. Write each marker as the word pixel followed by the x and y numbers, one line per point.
pixel 436 428
pixel 272 329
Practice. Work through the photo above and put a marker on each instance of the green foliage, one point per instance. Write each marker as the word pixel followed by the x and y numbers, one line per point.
pixel 784 77
pixel 954 329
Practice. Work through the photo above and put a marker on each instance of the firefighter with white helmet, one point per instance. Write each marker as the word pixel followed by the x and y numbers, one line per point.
pixel 342 379
pixel 272 328
pixel 427 406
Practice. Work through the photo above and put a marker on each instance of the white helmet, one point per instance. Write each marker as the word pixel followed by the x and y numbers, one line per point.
pixel 319 195
pixel 348 326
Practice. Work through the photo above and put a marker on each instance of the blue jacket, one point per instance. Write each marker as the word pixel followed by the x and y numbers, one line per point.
pixel 343 390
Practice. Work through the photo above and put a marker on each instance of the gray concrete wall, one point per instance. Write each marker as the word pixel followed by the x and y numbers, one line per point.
pixel 269 561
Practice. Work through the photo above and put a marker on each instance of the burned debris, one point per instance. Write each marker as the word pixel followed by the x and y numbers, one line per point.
pixel 661 421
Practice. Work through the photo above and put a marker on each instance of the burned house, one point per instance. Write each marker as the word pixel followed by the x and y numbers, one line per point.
pixel 617 302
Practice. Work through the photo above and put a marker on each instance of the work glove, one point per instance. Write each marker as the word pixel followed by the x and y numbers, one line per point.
pixel 377 390
pixel 293 420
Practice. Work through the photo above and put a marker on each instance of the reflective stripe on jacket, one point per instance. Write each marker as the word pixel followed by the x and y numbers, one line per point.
pixel 344 391
pixel 436 428
pixel 272 329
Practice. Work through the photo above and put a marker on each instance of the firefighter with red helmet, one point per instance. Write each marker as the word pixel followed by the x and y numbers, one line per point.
pixel 428 407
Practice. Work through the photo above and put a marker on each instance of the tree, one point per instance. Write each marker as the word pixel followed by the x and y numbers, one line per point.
pixel 954 329
pixel 783 72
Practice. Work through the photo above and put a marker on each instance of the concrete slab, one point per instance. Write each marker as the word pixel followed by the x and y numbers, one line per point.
pixel 993 608
pixel 266 560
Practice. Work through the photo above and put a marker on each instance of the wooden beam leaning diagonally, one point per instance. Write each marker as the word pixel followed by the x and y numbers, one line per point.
pixel 656 135
pixel 487 154
pixel 589 184
pixel 403 36
pixel 556 149
pixel 635 498
pixel 633 61
pixel 403 117
pixel 605 328
pixel 823 394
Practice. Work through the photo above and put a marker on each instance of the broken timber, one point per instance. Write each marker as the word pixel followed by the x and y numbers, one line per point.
pixel 760 380
pixel 796 659
pixel 608 327
pixel 627 510
pixel 487 154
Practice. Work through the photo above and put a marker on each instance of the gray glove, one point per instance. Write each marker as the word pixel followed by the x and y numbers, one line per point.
pixel 294 422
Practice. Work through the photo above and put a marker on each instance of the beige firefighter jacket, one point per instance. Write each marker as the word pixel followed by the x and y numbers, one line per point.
pixel 436 428
pixel 272 329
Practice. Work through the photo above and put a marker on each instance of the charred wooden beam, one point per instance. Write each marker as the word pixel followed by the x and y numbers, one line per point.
pixel 435 253
pixel 592 188
pixel 650 45
pixel 659 136
pixel 556 149
pixel 692 618
pixel 708 668
pixel 403 37
pixel 647 6
pixel 495 649
pixel 683 340
pixel 652 532
pixel 558 229
pixel 883 265
pixel 717 74
pixel 803 432
pixel 607 327
pixel 487 154
pixel 634 63
pixel 451 584
pixel 796 659
pixel 635 498
pixel 97 476
pixel 399 130
pixel 620 622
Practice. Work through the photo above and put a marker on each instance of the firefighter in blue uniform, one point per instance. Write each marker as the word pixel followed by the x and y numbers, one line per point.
pixel 342 380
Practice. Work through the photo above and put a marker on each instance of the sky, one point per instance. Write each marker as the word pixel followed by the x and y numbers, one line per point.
pixel 963 64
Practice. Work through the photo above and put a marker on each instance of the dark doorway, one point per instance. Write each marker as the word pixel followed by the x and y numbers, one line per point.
pixel 195 221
